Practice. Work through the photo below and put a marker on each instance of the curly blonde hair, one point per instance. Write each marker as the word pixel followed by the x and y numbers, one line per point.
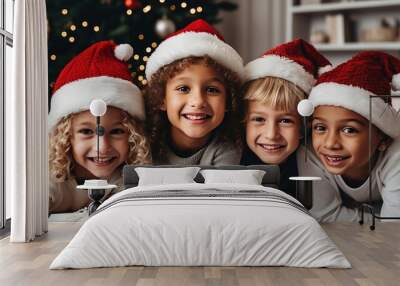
pixel 61 162
pixel 158 124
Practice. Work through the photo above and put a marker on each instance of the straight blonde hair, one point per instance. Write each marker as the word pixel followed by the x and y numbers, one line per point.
pixel 278 93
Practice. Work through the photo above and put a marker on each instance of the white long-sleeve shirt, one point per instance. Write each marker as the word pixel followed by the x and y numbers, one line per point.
pixel 327 202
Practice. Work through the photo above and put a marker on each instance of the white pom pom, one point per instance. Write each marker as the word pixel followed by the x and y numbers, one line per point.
pixel 305 107
pixel 396 82
pixel 98 107
pixel 123 52
pixel 325 69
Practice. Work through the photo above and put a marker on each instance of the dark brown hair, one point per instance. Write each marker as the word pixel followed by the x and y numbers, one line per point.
pixel 157 121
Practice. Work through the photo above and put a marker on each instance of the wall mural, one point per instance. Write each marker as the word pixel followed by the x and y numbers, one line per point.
pixel 156 85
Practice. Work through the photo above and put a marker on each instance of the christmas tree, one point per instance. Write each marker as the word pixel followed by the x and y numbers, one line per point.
pixel 76 24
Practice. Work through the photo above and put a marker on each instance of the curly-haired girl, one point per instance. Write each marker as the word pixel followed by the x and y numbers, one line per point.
pixel 96 73
pixel 194 79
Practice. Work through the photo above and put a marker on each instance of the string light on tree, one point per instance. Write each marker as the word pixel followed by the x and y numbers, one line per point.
pixel 192 11
pixel 172 7
pixel 64 12
pixel 129 12
pixel 183 4
pixel 53 57
pixel 63 34
pixel 147 9
pixel 85 24
pixel 199 9
pixel 96 28
pixel 71 39
pixel 72 27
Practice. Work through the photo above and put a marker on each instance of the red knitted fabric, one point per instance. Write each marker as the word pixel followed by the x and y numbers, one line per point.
pixel 370 70
pixel 97 60
pixel 302 53
pixel 198 26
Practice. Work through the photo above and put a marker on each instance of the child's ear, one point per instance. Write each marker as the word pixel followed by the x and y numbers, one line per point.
pixel 162 106
pixel 384 144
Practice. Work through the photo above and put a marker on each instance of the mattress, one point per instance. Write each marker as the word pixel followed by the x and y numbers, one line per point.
pixel 201 225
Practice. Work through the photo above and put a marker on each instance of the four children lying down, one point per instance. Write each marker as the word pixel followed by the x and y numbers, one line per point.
pixel 203 106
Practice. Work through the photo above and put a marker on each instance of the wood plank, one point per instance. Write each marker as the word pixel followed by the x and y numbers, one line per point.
pixel 374 255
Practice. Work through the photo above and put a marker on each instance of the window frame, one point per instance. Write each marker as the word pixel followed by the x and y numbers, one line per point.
pixel 6 39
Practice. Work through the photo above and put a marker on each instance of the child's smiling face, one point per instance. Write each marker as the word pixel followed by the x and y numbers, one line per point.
pixel 272 134
pixel 340 138
pixel 195 101
pixel 113 147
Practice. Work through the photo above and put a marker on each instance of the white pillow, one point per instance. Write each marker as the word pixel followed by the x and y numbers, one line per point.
pixel 163 176
pixel 249 177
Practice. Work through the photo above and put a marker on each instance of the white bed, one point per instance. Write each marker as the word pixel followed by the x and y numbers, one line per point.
pixel 201 224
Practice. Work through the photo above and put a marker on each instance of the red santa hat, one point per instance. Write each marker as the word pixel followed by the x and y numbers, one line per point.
pixel 99 72
pixel 297 62
pixel 350 84
pixel 197 39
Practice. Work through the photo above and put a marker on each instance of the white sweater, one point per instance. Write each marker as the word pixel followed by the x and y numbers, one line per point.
pixel 327 202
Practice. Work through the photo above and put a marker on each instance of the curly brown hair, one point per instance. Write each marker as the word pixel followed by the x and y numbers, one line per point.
pixel 157 122
pixel 61 162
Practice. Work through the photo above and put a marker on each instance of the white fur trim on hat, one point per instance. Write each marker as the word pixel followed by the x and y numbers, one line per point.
pixel 194 44
pixel 384 116
pixel 396 82
pixel 325 69
pixel 76 96
pixel 123 52
pixel 281 67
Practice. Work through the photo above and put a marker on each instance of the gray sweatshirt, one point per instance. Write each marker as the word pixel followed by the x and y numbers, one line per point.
pixel 217 152
pixel 327 201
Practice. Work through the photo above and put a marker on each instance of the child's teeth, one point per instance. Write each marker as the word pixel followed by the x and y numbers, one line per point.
pixel 195 117
pixel 102 160
pixel 334 159
pixel 271 147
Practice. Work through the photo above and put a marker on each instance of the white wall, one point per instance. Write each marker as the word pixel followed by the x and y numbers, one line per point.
pixel 255 26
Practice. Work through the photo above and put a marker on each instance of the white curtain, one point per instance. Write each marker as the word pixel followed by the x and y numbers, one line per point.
pixel 256 26
pixel 26 123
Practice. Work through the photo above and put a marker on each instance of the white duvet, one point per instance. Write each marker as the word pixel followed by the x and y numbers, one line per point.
pixel 210 229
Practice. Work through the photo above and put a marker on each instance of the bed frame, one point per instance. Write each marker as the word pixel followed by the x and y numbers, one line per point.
pixel 270 179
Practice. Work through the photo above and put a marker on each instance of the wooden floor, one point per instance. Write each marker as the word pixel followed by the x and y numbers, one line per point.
pixel 374 255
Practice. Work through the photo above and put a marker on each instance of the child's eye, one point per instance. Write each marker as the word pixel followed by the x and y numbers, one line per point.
pixel 285 121
pixel 349 130
pixel 183 89
pixel 319 128
pixel 257 119
pixel 213 89
pixel 86 131
pixel 117 131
